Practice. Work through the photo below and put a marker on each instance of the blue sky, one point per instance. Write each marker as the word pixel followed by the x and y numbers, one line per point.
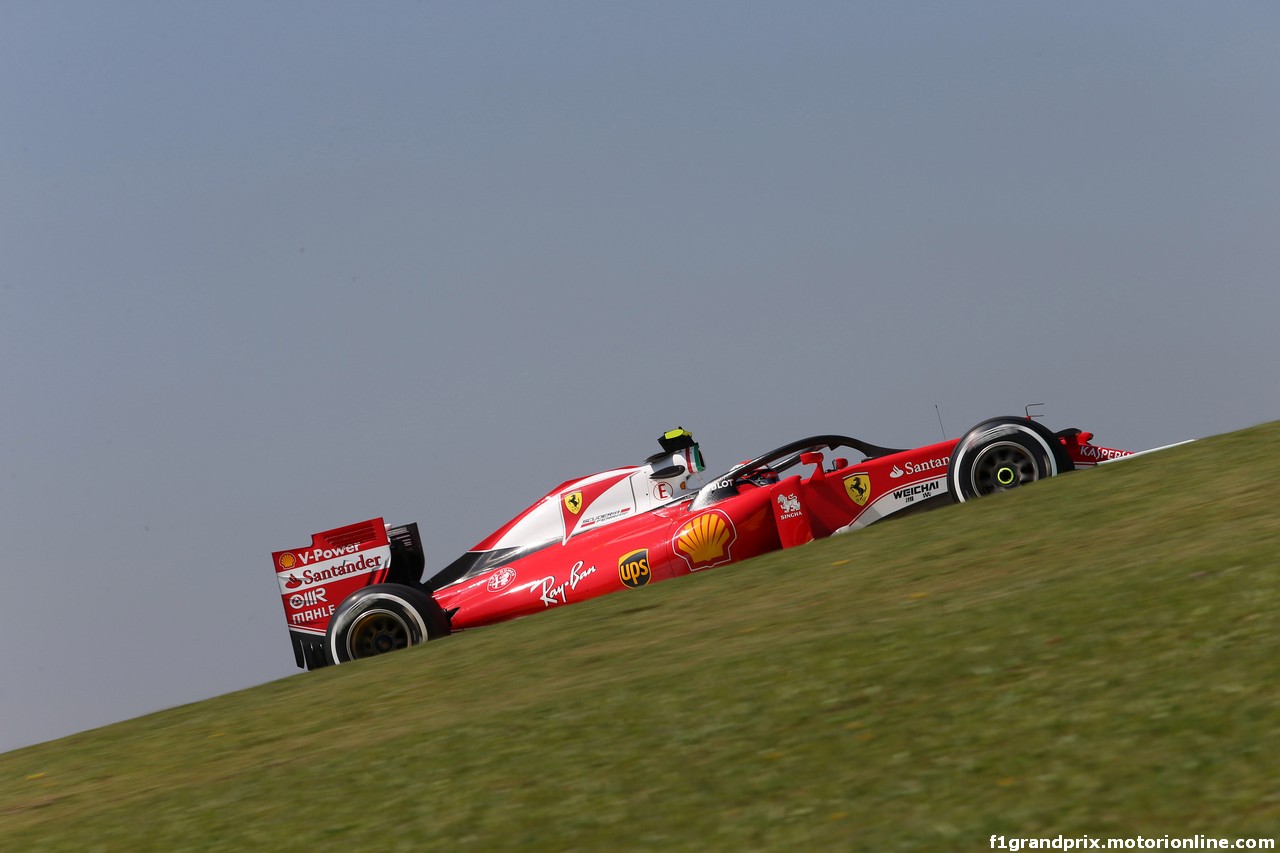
pixel 271 268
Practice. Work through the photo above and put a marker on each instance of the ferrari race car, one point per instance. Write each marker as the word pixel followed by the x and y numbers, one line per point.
pixel 358 591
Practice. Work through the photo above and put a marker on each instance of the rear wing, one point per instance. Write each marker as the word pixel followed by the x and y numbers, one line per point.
pixel 314 579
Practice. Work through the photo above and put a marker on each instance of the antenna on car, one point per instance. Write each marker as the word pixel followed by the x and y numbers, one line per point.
pixel 944 429
pixel 1027 409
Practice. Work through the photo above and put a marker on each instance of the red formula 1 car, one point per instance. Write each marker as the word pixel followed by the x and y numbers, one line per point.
pixel 357 591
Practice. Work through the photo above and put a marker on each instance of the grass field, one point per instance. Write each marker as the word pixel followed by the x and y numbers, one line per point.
pixel 1097 654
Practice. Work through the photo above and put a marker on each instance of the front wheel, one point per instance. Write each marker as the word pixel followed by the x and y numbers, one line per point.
pixel 382 618
pixel 1002 454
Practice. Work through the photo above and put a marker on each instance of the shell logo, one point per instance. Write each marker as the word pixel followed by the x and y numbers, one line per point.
pixel 705 541
pixel 286 561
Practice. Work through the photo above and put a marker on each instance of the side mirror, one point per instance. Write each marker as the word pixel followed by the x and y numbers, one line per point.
pixel 813 457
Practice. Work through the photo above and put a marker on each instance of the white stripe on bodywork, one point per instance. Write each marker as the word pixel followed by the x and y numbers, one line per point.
pixel 873 511
pixel 1145 452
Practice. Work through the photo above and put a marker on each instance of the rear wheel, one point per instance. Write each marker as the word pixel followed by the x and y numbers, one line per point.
pixel 1002 454
pixel 382 618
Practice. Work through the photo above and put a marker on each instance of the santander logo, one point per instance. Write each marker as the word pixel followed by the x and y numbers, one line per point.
pixel 916 468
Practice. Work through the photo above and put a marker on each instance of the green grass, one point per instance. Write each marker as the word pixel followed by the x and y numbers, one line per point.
pixel 1097 654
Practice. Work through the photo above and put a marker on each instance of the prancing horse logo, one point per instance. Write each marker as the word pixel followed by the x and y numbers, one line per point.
pixel 858 487
pixel 573 502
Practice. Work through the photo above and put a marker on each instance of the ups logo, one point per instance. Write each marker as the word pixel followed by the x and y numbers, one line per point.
pixel 633 569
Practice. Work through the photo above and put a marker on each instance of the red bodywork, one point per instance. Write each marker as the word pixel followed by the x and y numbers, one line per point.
pixel 629 547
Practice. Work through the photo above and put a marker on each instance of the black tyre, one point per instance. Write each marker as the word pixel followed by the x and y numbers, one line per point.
pixel 1003 454
pixel 382 618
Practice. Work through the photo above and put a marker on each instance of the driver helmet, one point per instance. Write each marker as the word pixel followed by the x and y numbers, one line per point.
pixel 680 458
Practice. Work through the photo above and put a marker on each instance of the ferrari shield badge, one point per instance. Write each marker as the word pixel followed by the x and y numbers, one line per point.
pixel 573 502
pixel 858 487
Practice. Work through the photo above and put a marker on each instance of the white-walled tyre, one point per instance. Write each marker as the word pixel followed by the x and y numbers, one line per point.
pixel 1004 454
pixel 380 619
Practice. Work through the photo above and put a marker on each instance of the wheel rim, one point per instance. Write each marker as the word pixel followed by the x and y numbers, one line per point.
pixel 1003 466
pixel 376 633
